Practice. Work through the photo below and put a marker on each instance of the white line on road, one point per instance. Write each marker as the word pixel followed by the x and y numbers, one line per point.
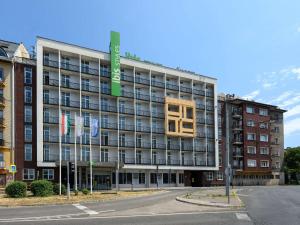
pixel 121 216
pixel 85 209
pixel 243 216
pixel 242 195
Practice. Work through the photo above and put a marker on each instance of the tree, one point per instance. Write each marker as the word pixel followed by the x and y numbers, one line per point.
pixel 292 164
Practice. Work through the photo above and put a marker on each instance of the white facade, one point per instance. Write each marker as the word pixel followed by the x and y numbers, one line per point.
pixel 137 117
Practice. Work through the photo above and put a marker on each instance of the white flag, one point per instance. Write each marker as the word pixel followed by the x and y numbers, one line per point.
pixel 79 125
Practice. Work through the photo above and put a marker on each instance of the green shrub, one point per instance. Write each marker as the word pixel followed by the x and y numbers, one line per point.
pixel 85 191
pixel 76 192
pixel 16 189
pixel 41 188
pixel 56 189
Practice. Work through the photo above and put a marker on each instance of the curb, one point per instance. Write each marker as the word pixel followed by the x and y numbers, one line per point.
pixel 205 203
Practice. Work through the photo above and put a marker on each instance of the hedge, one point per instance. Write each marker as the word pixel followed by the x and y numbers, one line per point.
pixel 41 188
pixel 56 189
pixel 85 191
pixel 16 189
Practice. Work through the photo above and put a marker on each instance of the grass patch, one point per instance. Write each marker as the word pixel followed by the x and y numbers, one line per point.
pixel 55 199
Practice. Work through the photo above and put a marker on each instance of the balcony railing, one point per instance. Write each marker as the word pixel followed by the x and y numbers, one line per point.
pixel 200 106
pixel 70 67
pixel 140 80
pixel 142 113
pixel 51 63
pixel 172 86
pixel 142 96
pixel 156 83
pixel 198 92
pixel 185 89
pixel 89 70
pixel 157 99
pixel 127 77
pixel 209 93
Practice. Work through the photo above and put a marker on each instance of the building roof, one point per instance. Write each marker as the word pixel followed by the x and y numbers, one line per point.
pixel 142 61
pixel 9 48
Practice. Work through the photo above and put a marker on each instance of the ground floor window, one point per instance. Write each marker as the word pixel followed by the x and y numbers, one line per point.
pixel 173 178
pixel 209 176
pixel 141 178
pixel 181 178
pixel 125 178
pixel 28 174
pixel 48 174
pixel 165 178
pixel 153 178
pixel 220 176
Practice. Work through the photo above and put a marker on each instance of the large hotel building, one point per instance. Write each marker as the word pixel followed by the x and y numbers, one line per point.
pixel 162 129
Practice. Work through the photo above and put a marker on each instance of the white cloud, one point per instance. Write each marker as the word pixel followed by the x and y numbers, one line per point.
pixel 292 126
pixel 283 96
pixel 298 29
pixel 252 95
pixel 290 101
pixel 296 71
pixel 292 112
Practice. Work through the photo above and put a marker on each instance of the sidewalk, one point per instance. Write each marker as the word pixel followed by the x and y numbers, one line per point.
pixel 212 197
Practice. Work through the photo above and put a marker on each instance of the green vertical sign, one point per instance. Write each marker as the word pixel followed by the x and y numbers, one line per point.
pixel 115 63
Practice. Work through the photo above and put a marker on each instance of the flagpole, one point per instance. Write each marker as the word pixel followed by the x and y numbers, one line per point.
pixel 75 154
pixel 91 167
pixel 60 134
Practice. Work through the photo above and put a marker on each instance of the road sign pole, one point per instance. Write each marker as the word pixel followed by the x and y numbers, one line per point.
pixel 68 178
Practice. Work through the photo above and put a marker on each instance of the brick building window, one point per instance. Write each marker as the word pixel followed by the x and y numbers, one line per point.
pixel 28 75
pixel 1 74
pixel 251 149
pixel 210 176
pixel 28 95
pixel 28 174
pixel 251 137
pixel 28 114
pixel 264 151
pixel 264 163
pixel 28 152
pixel 250 109
pixel 251 163
pixel 220 175
pixel 28 133
pixel 263 112
pixel 48 174
pixel 264 137
pixel 250 123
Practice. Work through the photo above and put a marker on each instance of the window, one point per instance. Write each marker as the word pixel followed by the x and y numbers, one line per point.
pixel 85 84
pixel 85 151
pixel 169 157
pixel 250 123
pixel 125 178
pixel 141 178
pixel 104 121
pixel 86 119
pixel 28 152
pixel 220 160
pixel 154 157
pixel 1 157
pixel 251 163
pixel 264 151
pixel 104 155
pixel 28 75
pixel 85 101
pixel 250 109
pixel 209 176
pixel 65 80
pixel 1 74
pixel 138 157
pixel 165 178
pixel 28 133
pixel 66 153
pixel 153 141
pixel 263 125
pixel 48 174
pixel 122 156
pixel 264 163
pixel 138 140
pixel 28 174
pixel 251 137
pixel 276 129
pixel 277 165
pixel 181 178
pixel 173 178
pixel 263 112
pixel 220 175
pixel 28 95
pixel 28 114
pixel 3 52
pixel 264 137
pixel 251 150
pixel 122 140
pixel 153 178
pixel 65 99
pixel 46 153
pixel 104 138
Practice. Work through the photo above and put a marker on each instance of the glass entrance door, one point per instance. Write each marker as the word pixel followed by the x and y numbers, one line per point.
pixel 102 182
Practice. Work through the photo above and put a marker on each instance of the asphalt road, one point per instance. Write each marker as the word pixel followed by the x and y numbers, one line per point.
pixel 264 206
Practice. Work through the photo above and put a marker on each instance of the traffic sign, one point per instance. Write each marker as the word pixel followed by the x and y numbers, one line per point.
pixel 13 168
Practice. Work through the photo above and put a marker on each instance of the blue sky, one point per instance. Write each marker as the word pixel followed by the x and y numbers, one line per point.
pixel 251 47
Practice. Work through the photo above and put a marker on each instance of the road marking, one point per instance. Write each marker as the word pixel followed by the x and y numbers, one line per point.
pixel 242 195
pixel 14 220
pixel 243 216
pixel 85 209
